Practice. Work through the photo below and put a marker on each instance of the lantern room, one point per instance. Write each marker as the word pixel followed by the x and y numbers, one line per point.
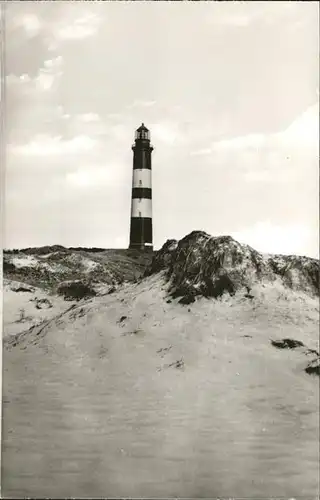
pixel 142 133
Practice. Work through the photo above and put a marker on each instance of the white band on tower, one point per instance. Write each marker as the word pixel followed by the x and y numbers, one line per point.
pixel 141 178
pixel 141 207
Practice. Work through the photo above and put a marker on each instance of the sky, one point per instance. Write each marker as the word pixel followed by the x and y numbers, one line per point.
pixel 229 91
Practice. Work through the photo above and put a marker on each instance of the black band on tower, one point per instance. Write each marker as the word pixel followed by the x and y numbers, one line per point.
pixel 141 231
pixel 142 157
pixel 142 193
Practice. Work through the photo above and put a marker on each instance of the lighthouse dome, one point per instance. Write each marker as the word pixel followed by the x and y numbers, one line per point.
pixel 142 133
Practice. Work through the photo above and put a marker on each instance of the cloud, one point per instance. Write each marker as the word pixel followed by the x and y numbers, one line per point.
pixel 90 124
pixel 96 176
pixel 284 239
pixel 89 117
pixel 77 28
pixel 166 132
pixel 246 141
pixel 300 136
pixel 142 104
pixel 242 14
pixel 18 79
pixel 30 23
pixel 304 131
pixel 70 25
pixel 46 146
pixel 47 77
pixel 201 152
pixel 280 157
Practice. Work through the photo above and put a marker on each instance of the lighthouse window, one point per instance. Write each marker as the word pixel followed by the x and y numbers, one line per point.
pixel 140 182
pixel 139 214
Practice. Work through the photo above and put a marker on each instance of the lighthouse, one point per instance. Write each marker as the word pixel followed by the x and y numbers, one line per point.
pixel 141 203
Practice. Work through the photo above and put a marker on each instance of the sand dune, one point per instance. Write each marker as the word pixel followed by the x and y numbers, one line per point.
pixel 133 394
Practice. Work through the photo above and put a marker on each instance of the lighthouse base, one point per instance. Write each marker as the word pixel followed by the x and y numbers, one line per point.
pixel 141 233
pixel 141 247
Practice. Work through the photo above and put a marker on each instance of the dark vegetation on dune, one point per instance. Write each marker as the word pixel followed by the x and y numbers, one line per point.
pixel 58 264
pixel 76 290
pixel 22 289
pixel 59 248
pixel 8 267
pixel 313 367
pixel 53 248
pixel 36 250
pixel 202 265
pixel 287 343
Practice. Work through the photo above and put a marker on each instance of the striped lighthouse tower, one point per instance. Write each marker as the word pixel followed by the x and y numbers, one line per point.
pixel 141 205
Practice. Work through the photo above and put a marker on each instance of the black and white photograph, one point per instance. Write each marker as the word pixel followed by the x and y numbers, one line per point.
pixel 160 249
